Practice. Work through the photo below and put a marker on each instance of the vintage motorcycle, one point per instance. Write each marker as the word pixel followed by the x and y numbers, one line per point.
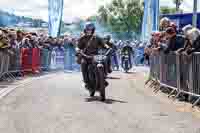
pixel 126 63
pixel 97 72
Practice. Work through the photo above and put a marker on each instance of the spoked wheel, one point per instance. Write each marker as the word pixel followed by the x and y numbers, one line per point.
pixel 101 83
pixel 93 82
pixel 126 66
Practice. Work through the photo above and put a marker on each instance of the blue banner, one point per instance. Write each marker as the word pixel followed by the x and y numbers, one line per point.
pixel 150 18
pixel 55 9
pixel 155 13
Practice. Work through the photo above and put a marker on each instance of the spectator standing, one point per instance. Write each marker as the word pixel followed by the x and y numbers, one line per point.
pixel 174 41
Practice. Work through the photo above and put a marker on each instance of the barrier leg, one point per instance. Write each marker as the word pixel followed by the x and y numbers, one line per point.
pixel 69 59
pixel 148 81
pixel 7 77
pixel 178 94
pixel 157 89
pixel 171 93
pixel 196 102
pixel 153 84
pixel 11 76
pixel 20 74
pixel 3 77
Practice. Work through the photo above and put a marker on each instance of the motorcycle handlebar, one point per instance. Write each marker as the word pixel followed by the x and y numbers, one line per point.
pixel 109 51
pixel 84 55
pixel 90 57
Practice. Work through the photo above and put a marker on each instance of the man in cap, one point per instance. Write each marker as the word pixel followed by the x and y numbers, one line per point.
pixel 107 40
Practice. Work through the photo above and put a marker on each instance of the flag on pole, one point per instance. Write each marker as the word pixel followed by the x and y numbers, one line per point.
pixel 150 18
pixel 55 11
pixel 155 13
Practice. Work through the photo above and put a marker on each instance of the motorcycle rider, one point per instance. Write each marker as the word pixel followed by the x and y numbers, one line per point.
pixel 107 40
pixel 89 44
pixel 129 49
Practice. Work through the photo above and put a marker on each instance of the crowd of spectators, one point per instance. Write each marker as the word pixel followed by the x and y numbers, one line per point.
pixel 11 39
pixel 170 39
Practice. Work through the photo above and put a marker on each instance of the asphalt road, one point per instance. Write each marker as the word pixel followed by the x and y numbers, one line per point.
pixel 59 104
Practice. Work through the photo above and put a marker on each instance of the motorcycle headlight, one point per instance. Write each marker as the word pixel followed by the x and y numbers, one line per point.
pixel 96 58
pixel 126 52
pixel 126 56
pixel 99 58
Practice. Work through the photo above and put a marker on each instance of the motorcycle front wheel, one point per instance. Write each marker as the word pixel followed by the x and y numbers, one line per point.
pixel 126 66
pixel 92 81
pixel 101 83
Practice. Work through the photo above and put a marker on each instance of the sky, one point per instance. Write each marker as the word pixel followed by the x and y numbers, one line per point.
pixel 72 8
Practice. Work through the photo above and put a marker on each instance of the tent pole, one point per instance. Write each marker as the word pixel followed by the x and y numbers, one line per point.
pixel 194 19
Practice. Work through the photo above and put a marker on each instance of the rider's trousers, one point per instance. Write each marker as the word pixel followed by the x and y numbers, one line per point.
pixel 84 69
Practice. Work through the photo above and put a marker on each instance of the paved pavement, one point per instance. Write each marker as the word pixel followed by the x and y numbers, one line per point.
pixel 58 104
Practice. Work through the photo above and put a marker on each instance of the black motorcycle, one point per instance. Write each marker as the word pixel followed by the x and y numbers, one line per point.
pixel 126 63
pixel 97 72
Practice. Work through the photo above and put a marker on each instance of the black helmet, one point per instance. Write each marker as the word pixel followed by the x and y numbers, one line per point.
pixel 107 37
pixel 128 42
pixel 89 26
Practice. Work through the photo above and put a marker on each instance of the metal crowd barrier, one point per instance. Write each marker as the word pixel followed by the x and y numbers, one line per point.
pixel 168 71
pixel 183 70
pixel 26 61
pixel 4 65
pixel 64 59
pixel 23 61
pixel 155 67
pixel 195 74
pixel 45 59
pixel 68 55
pixel 178 72
pixel 1 63
pixel 15 63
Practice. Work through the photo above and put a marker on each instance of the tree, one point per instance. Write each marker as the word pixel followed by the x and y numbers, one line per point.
pixel 122 15
pixel 103 14
pixel 92 18
pixel 167 10
pixel 178 4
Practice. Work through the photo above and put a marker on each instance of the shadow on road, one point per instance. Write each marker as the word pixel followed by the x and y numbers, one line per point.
pixel 107 101
pixel 130 73
pixel 2 86
pixel 113 78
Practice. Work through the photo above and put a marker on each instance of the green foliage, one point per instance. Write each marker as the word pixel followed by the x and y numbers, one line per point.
pixel 122 15
pixel 103 13
pixel 92 18
pixel 167 10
